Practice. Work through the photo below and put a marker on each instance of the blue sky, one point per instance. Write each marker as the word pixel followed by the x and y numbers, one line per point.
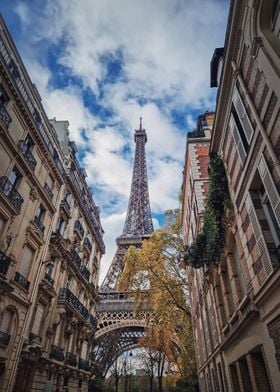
pixel 103 64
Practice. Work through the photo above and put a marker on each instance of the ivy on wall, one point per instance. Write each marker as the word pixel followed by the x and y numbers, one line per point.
pixel 208 244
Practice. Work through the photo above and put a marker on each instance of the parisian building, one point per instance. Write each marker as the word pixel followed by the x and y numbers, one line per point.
pixel 50 242
pixel 236 302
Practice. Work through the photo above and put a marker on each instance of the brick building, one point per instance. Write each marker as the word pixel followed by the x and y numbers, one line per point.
pixel 236 303
pixel 51 242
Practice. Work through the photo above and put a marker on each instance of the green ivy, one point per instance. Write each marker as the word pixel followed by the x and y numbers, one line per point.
pixel 207 246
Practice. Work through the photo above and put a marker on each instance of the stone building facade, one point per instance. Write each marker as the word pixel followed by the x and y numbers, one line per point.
pixel 51 242
pixel 236 304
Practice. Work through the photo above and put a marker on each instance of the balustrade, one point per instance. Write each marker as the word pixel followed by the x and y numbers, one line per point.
pixel 4 116
pixel 7 188
pixel 28 156
pixel 57 353
pixel 21 280
pixel 4 263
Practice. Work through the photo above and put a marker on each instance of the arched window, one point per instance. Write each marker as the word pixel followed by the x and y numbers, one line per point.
pixel 6 326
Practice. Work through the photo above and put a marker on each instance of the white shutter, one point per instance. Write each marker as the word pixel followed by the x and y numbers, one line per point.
pixel 237 139
pixel 25 262
pixel 259 235
pixel 242 114
pixel 6 321
pixel 270 188
pixel 38 320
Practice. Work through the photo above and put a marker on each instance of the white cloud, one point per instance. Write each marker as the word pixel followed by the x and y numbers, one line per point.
pixel 164 48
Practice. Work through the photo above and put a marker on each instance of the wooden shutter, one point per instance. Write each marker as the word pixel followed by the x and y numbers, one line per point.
pixel 38 319
pixel 270 188
pixel 25 262
pixel 237 139
pixel 5 325
pixel 258 235
pixel 242 114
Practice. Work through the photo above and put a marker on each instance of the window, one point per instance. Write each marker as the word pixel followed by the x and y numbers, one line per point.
pixel 14 177
pixel 4 97
pixel 49 185
pixel 68 282
pixel 61 226
pixel 241 279
pixel 40 213
pixel 2 222
pixel 6 321
pixel 28 143
pixel 26 260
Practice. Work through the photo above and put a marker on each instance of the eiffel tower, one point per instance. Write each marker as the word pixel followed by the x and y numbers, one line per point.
pixel 118 327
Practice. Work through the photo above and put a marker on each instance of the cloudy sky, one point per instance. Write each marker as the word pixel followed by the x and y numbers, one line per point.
pixel 101 64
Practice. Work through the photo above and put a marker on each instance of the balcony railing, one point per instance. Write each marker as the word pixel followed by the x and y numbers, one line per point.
pixel 70 359
pixel 39 224
pixel 67 296
pixel 4 263
pixel 76 258
pixel 28 156
pixel 48 278
pixel 93 320
pixel 48 190
pixel 88 245
pixel 4 338
pixel 41 128
pixel 84 365
pixel 4 116
pixel 79 228
pixel 57 353
pixel 7 188
pixel 85 272
pixel 21 280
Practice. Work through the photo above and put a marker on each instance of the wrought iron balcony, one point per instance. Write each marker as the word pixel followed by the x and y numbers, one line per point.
pixel 28 156
pixel 7 188
pixel 85 272
pixel 93 320
pixel 70 359
pixel 48 190
pixel 88 245
pixel 21 280
pixel 4 116
pixel 48 278
pixel 84 365
pixel 67 296
pixel 4 263
pixel 4 338
pixel 79 228
pixel 39 224
pixel 57 353
pixel 76 258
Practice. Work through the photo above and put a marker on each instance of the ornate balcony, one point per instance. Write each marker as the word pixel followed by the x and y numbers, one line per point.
pixel 39 224
pixel 21 280
pixel 48 278
pixel 5 118
pixel 84 365
pixel 57 353
pixel 4 338
pixel 4 263
pixel 76 258
pixel 78 228
pixel 7 188
pixel 65 295
pixel 70 359
pixel 85 272
pixel 87 245
pixel 48 190
pixel 28 156
pixel 93 321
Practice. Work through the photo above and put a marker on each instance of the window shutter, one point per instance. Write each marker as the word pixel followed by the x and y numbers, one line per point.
pixel 38 320
pixel 239 145
pixel 25 262
pixel 270 188
pixel 258 234
pixel 6 321
pixel 242 114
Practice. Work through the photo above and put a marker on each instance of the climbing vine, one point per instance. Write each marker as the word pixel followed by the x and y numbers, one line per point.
pixel 207 246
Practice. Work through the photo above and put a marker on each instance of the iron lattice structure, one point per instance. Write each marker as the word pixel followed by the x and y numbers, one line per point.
pixel 138 224
pixel 119 325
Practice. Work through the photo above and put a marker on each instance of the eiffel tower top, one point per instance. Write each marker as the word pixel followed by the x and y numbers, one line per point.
pixel 138 221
